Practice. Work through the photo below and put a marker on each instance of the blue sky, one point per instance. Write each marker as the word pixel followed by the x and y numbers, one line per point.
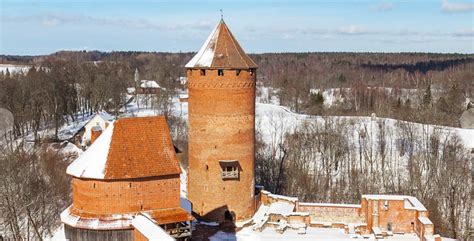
pixel 43 27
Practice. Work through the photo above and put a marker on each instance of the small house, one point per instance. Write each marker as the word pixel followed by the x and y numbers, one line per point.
pixel 99 122
pixel 149 87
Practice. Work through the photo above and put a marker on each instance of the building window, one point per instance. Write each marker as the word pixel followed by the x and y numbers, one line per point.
pixel 203 72
pixel 229 169
pixel 237 72
pixel 220 72
pixel 385 205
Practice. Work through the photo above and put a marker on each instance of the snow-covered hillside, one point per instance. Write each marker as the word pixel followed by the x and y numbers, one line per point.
pixel 13 68
pixel 273 121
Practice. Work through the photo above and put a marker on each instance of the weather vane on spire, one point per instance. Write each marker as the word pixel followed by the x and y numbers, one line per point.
pixel 222 14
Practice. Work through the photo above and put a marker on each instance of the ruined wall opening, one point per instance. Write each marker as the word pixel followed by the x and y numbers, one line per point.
pixel 229 216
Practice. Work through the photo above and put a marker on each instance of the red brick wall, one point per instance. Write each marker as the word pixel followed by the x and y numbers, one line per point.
pixel 400 217
pixel 335 212
pixel 114 197
pixel 221 127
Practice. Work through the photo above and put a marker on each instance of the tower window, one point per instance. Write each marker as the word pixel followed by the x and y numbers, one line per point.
pixel 220 72
pixel 203 72
pixel 229 169
pixel 237 72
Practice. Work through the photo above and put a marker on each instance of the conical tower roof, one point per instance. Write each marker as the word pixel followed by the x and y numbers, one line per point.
pixel 221 51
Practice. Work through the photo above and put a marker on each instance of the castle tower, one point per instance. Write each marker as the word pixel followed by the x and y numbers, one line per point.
pixel 221 128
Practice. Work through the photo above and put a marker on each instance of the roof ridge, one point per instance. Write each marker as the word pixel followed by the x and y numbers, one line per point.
pixel 235 44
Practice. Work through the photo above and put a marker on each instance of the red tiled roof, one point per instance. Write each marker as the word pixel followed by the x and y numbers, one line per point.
pixel 141 147
pixel 169 215
pixel 129 148
pixel 221 50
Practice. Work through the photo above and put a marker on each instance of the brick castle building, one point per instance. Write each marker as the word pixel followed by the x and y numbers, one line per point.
pixel 130 170
pixel 221 82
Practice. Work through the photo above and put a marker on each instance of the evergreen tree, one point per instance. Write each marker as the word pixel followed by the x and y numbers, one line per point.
pixel 427 97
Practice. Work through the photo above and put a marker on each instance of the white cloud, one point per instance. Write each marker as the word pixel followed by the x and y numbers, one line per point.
pixel 382 7
pixel 356 30
pixel 464 33
pixel 451 7
pixel 52 20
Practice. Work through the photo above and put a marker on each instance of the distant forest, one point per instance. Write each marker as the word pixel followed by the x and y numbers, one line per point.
pixel 438 85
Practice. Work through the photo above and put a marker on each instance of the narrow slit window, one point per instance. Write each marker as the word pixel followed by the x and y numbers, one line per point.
pixel 252 72
pixel 220 72
pixel 203 72
pixel 237 72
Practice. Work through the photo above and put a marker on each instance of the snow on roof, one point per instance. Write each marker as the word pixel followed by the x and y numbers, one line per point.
pixel 131 90
pixel 106 116
pixel 116 221
pixel 341 205
pixel 205 55
pixel 91 164
pixel 410 202
pixel 150 229
pixel 149 84
pixel 221 50
pixel 425 220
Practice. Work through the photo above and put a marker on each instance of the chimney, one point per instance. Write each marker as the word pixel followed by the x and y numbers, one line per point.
pixel 95 133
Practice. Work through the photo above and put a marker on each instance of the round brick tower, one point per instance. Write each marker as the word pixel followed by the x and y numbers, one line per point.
pixel 221 129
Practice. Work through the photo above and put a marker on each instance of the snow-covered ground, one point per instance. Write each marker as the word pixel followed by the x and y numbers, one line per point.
pixel 273 119
pixel 13 68
pixel 313 234
pixel 334 96
pixel 57 236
